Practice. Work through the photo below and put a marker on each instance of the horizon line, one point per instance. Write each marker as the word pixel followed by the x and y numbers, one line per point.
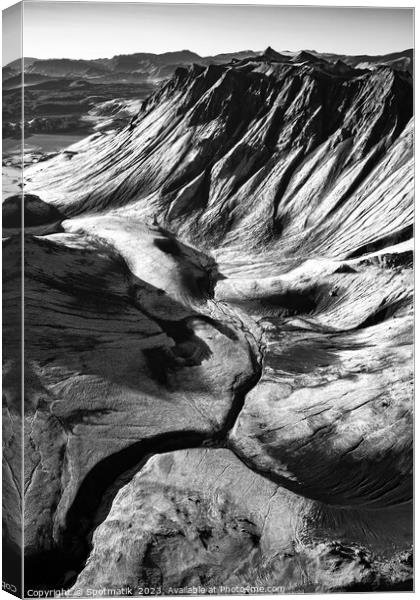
pixel 208 55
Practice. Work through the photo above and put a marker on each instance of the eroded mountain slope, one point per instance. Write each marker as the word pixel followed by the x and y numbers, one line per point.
pixel 268 153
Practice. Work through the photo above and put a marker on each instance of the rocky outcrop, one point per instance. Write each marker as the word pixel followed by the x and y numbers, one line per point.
pixel 219 527
pixel 37 217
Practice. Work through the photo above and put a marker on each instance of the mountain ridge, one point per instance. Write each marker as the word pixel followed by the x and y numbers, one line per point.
pixel 252 111
pixel 55 100
pixel 173 57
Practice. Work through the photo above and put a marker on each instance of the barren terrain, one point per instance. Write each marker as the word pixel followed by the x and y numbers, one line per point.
pixel 218 334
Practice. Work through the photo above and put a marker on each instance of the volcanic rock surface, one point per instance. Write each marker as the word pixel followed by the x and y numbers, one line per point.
pixel 217 524
pixel 218 340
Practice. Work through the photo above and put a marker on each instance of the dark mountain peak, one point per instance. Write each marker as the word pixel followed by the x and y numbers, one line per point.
pixel 188 71
pixel 181 73
pixel 271 54
pixel 308 57
pixel 341 66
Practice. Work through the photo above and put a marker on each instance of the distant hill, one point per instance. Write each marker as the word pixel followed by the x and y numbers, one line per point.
pixel 15 64
pixel 401 61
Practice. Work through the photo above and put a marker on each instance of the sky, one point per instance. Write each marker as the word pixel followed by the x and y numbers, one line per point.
pixel 92 30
